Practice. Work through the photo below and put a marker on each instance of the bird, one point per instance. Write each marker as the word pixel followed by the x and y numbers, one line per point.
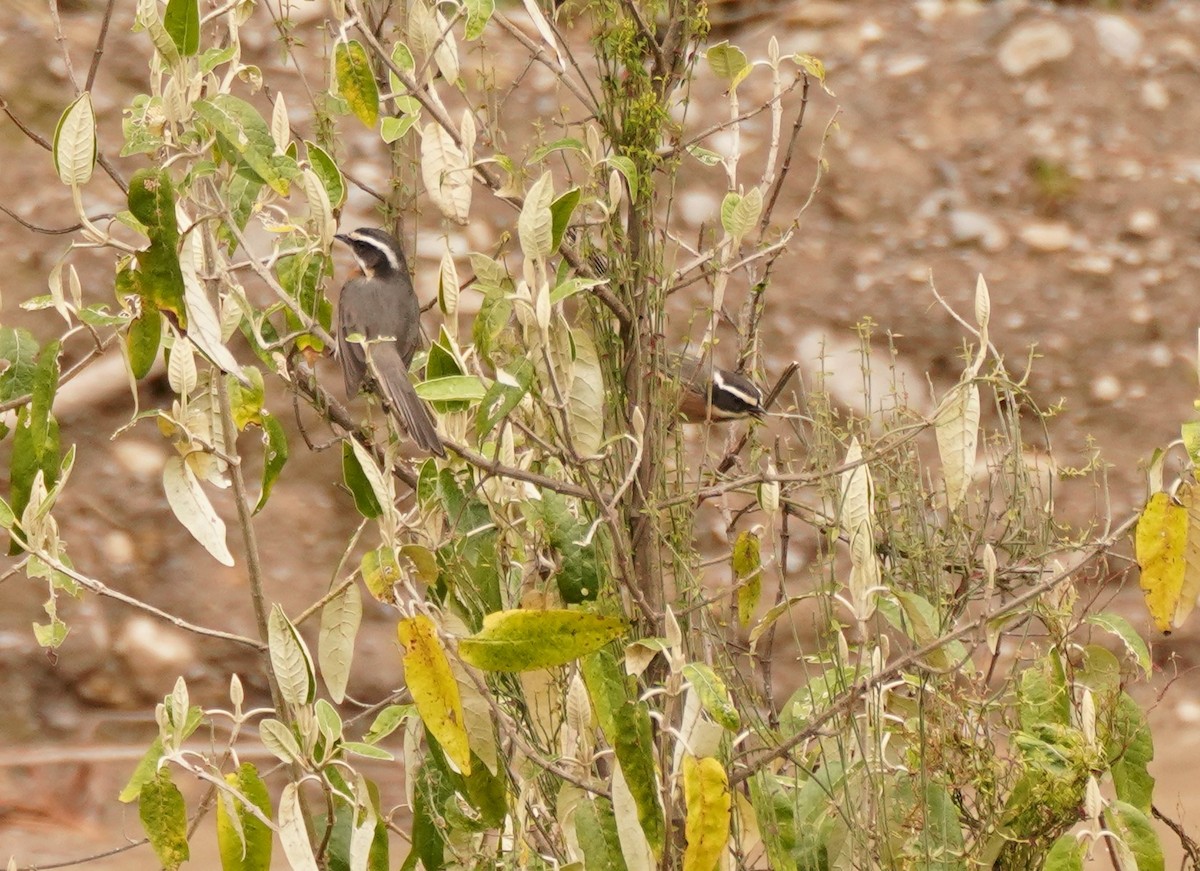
pixel 381 307
pixel 709 393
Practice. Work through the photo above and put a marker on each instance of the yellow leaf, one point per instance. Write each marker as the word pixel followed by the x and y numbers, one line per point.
pixel 1160 542
pixel 434 689
pixel 706 790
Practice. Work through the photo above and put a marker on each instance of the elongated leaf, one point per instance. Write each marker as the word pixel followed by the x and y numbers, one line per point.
pixel 956 424
pixel 706 792
pixel 739 213
pixel 278 738
pixel 452 388
pixel 340 619
pixel 479 13
pixel 535 225
pixel 293 836
pixel 191 507
pixel 142 340
pixel 446 172
pixel 356 81
pixel 526 640
pixel 631 833
pixel 587 397
pixel 359 485
pixel 1137 840
pixel 1130 747
pixel 182 23
pixel 275 456
pixel 290 659
pixel 75 142
pixel 1160 543
pixel 1123 629
pixel 243 840
pixel 430 680
pixel 159 277
pixel 713 695
pixel 596 828
pixel 561 211
pixel 146 770
pixel 328 172
pixel 164 817
pixel 204 325
pixel 747 568
pixel 18 358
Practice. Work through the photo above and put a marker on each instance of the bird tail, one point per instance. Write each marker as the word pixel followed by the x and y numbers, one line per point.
pixel 402 400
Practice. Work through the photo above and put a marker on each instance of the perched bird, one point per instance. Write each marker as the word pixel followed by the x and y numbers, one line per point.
pixel 381 308
pixel 709 393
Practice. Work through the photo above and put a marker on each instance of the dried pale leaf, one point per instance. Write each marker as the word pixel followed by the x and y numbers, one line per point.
pixel 281 131
pixel 535 225
pixel 865 575
pixel 181 370
pixel 204 326
pixel 448 286
pixel 983 304
pixel 290 660
pixel 75 142
pixel 446 173
pixel 544 29
pixel 320 210
pixel 957 427
pixel 445 52
pixel 634 845
pixel 293 836
pixel 340 619
pixel 477 717
pixel 587 397
pixel 858 492
pixel 191 507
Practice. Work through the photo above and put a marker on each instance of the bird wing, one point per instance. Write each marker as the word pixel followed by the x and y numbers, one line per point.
pixel 354 358
pixel 391 374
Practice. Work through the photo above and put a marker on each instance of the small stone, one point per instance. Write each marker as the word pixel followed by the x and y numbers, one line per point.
pixel 905 65
pixel 871 31
pixel 1096 263
pixel 1155 95
pixel 140 458
pixel 1106 388
pixel 967 226
pixel 1033 45
pixel 155 653
pixel 1047 236
pixel 117 548
pixel 1188 711
pixel 820 14
pixel 1141 314
pixel 1118 38
pixel 1143 222
pixel 1159 354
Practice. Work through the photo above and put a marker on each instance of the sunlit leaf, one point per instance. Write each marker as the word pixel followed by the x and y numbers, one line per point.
pixel 706 793
pixel 182 23
pixel 275 456
pixel 164 817
pixel 293 836
pixel 524 640
pixel 243 132
pixel 191 507
pixel 587 396
pixel 356 81
pixel 1161 542
pixel 434 689
pixel 956 424
pixel 75 142
pixel 243 840
pixel 446 172
pixel 340 619
pixel 290 660
pixel 713 694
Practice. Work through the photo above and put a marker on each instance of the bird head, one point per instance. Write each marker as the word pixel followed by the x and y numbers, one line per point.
pixel 377 252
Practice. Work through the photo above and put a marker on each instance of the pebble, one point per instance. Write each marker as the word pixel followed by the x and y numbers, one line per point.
pixel 141 458
pixel 1033 45
pixel 967 226
pixel 1118 38
pixel 1047 236
pixel 1159 354
pixel 1096 263
pixel 1155 95
pixel 155 653
pixel 905 65
pixel 1143 222
pixel 1106 388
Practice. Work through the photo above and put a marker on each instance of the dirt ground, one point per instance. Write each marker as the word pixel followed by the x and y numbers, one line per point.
pixel 1054 149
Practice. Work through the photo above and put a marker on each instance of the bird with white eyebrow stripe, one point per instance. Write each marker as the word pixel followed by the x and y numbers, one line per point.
pixel 379 331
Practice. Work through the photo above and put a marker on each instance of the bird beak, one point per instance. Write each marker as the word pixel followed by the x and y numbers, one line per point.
pixel 342 237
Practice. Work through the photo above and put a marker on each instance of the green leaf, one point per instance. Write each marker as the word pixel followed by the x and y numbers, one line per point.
pixel 479 13
pixel 242 131
pixel 1044 696
pixel 380 571
pixel 526 640
pixel 1066 855
pixel 159 279
pixel 290 659
pixel 356 81
pixel 739 213
pixel 246 396
pixel 728 62
pixel 502 397
pixel 328 172
pixel 387 721
pixel 627 168
pixel 561 211
pixel 596 828
pixel 704 155
pixel 1136 836
pixel 275 456
pixel 243 840
pixel 747 568
pixel 1130 749
pixel 394 128
pixel 35 445
pixel 452 388
pixel 625 723
pixel 714 697
pixel 143 340
pixel 164 817
pixel 182 23
pixel 18 357
pixel 75 142
pixel 1123 629
pixel 359 485
pixel 146 770
pixel 567 144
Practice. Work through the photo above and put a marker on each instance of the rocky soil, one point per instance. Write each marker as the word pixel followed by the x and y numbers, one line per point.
pixel 1054 149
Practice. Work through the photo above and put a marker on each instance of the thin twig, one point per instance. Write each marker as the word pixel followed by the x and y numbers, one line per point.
pixel 99 50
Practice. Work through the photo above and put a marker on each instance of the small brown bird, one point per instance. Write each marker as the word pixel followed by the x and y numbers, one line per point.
pixel 380 308
pixel 711 394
